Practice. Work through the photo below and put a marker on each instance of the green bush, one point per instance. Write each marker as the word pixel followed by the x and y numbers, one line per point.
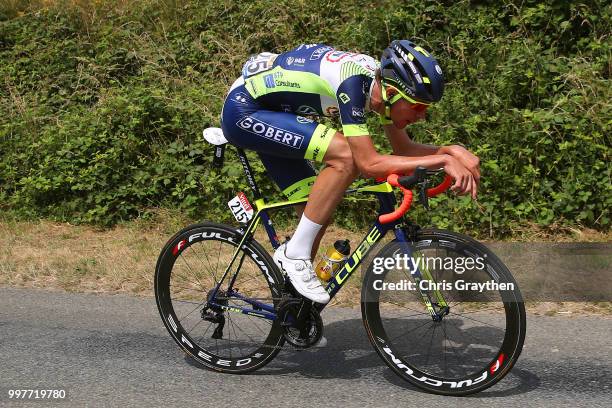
pixel 102 103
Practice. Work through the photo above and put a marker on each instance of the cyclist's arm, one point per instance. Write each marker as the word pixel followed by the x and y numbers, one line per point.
pixel 403 145
pixel 372 164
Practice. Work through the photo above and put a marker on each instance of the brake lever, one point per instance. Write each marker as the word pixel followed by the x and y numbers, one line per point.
pixel 423 198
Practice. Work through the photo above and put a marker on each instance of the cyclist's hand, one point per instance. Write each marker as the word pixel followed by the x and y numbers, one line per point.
pixel 467 158
pixel 464 179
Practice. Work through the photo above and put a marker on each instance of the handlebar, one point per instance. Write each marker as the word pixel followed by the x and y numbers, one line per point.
pixel 406 183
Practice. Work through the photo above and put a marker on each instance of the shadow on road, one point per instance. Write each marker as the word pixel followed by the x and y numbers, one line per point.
pixel 349 355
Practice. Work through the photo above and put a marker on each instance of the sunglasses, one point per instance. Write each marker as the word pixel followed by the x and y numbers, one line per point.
pixel 415 105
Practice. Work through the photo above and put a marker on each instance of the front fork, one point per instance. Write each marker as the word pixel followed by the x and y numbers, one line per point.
pixel 433 299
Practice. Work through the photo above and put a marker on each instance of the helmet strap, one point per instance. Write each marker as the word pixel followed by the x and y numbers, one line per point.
pixel 386 119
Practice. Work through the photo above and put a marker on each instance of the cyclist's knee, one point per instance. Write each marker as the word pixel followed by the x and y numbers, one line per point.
pixel 339 156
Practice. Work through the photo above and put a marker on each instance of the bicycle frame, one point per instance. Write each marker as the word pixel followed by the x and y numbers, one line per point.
pixel 387 202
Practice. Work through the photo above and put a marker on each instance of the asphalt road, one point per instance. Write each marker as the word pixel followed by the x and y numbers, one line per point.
pixel 114 351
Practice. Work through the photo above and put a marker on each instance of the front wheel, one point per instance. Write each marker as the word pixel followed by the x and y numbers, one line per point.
pixel 229 329
pixel 457 326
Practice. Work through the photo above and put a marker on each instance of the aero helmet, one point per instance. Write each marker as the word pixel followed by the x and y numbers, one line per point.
pixel 413 71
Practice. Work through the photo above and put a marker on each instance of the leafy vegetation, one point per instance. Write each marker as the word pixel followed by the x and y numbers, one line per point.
pixel 102 103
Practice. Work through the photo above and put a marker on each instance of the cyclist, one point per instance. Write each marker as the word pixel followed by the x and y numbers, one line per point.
pixel 269 110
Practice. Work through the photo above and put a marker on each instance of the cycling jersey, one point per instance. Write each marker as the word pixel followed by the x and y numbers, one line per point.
pixel 269 108
pixel 314 79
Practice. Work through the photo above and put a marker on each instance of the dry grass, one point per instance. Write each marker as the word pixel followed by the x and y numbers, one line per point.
pixel 50 255
pixel 77 258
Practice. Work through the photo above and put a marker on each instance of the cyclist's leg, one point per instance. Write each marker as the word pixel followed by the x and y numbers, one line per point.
pixel 317 241
pixel 295 178
pixel 284 135
pixel 329 187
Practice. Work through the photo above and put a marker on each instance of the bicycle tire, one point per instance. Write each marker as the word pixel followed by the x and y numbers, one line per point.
pixel 173 291
pixel 487 366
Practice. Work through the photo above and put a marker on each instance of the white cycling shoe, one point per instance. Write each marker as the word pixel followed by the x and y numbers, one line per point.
pixel 302 276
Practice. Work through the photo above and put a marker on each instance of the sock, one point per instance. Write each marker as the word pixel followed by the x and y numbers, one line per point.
pixel 300 244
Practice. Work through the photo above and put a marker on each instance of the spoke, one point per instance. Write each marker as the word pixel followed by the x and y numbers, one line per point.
pixel 235 335
pixel 218 259
pixel 460 361
pixel 206 331
pixel 477 342
pixel 254 319
pixel 411 330
pixel 444 344
pixel 435 326
pixel 229 335
pixel 193 310
pixel 250 338
pixel 181 277
pixel 405 317
pixel 188 301
pixel 406 307
pixel 418 340
pixel 184 258
pixel 195 325
pixel 481 310
pixel 212 273
pixel 242 282
pixel 469 300
pixel 479 321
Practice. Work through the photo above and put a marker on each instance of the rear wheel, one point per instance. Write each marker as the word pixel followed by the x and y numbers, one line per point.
pixel 477 331
pixel 215 328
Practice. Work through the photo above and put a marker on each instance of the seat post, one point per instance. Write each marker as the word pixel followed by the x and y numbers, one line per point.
pixel 248 172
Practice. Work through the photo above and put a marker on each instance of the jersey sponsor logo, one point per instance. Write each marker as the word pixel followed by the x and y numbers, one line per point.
pixel 269 81
pixel 318 53
pixel 303 119
pixel 344 98
pixel 275 134
pixel 241 97
pixel 358 112
pixel 288 84
pixel 272 81
pixel 338 56
pixel 297 61
pixel 438 69
pixel 307 46
pixel 307 110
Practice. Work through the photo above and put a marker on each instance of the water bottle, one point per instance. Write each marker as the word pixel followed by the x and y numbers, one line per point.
pixel 333 260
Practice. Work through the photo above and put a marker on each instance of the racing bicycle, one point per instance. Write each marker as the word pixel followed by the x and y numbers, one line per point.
pixel 229 307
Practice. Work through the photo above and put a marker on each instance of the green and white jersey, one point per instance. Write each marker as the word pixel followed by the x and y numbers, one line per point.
pixel 314 79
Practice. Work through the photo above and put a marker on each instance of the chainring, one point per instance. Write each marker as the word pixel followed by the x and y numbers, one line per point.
pixel 287 312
